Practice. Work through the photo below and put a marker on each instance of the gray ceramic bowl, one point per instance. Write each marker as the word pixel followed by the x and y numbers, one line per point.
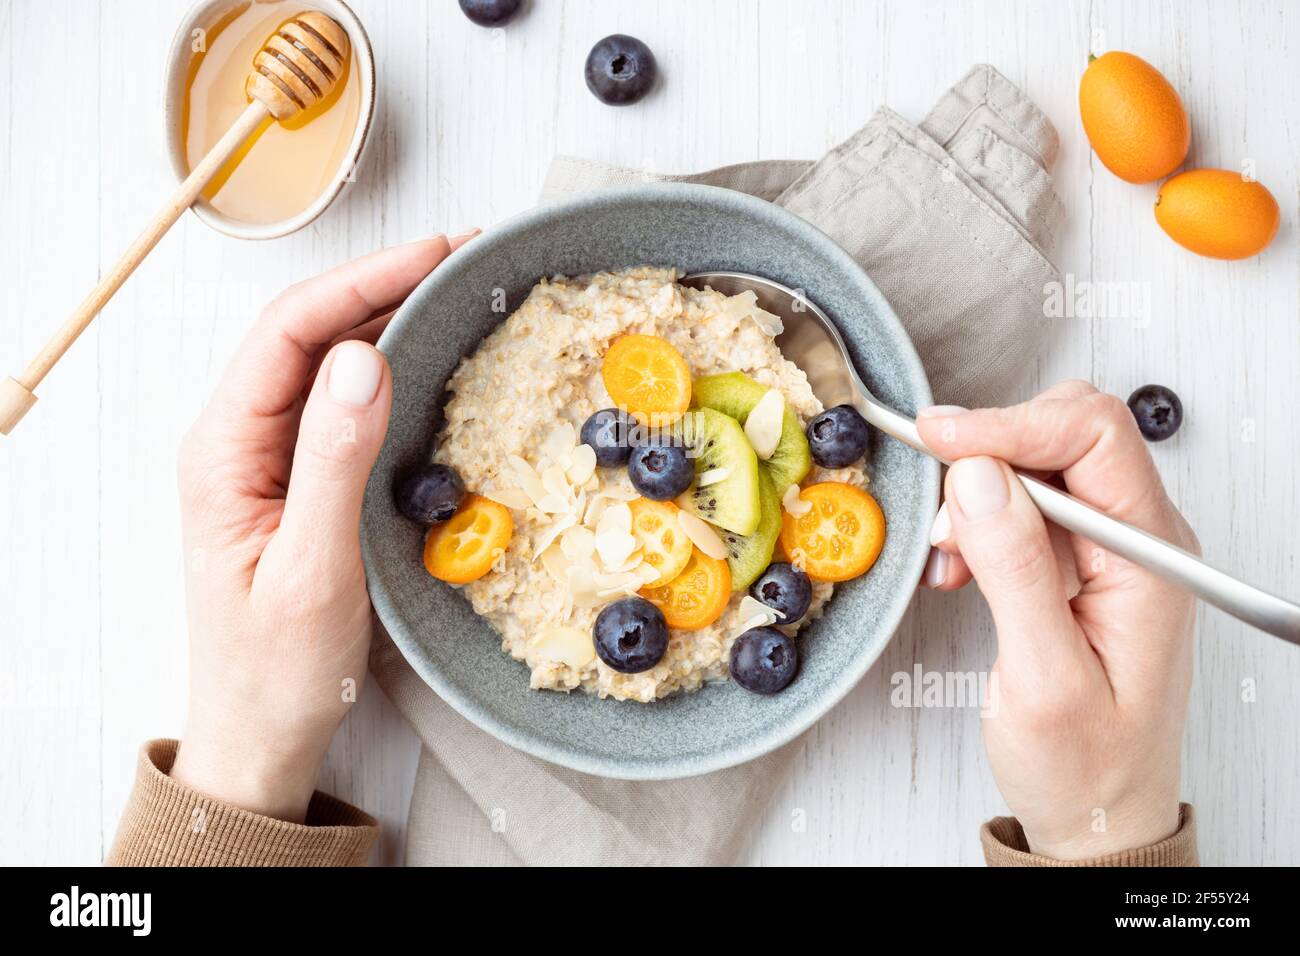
pixel 695 228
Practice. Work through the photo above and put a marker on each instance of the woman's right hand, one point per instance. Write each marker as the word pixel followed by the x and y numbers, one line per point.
pixel 1085 733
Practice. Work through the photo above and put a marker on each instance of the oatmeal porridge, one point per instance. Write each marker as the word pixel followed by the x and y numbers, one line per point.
pixel 640 493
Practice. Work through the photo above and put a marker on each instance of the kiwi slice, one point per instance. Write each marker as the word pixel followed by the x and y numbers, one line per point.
pixel 736 394
pixel 749 555
pixel 718 442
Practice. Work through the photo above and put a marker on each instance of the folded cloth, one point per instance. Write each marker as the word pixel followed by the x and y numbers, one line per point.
pixel 952 219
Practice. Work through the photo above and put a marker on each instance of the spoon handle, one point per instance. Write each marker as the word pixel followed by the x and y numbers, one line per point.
pixel 1256 607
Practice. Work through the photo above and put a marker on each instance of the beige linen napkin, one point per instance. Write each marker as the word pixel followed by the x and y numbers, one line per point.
pixel 952 219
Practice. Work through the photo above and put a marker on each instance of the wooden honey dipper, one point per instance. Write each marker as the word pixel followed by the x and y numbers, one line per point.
pixel 294 70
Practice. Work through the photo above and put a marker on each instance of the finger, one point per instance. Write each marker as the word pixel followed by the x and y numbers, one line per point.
pixel 372 328
pixel 455 242
pixel 1004 542
pixel 368 332
pixel 1069 389
pixel 343 426
pixel 271 367
pixel 945 572
pixel 941 531
pixel 1091 438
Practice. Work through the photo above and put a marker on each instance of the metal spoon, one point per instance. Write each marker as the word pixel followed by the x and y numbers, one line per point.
pixel 812 342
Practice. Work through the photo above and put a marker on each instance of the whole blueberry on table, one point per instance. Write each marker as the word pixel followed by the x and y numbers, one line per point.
pixel 837 437
pixel 660 471
pixel 490 13
pixel 631 635
pixel 429 494
pixel 609 432
pixel 763 660
pixel 620 70
pixel 1158 411
pixel 784 588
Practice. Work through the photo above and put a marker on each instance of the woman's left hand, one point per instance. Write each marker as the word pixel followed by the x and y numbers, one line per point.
pixel 271 483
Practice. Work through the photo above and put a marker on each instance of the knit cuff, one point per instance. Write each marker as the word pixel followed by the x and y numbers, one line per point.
pixel 1004 844
pixel 167 824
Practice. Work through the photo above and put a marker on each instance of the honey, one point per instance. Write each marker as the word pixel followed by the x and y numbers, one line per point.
pixel 283 167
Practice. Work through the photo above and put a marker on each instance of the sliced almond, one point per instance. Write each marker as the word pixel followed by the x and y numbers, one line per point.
pixel 577 543
pixel 556 564
pixel 634 561
pixel 763 426
pixel 792 503
pixel 768 321
pixel 510 497
pixel 702 535
pixel 554 504
pixel 615 546
pixel 745 305
pixel 619 580
pixel 556 482
pixel 582 585
pixel 613 585
pixel 754 613
pixel 563 644
pixel 616 517
pixel 526 475
pixel 595 508
pixel 559 443
pixel 617 493
pixel 647 572
pixel 583 465
pixel 751 606
pixel 758 620
pixel 546 537
pixel 711 477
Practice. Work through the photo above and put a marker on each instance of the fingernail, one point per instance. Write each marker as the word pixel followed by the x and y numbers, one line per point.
pixel 467 235
pixel 354 374
pixel 936 569
pixel 980 487
pixel 942 411
pixel 941 530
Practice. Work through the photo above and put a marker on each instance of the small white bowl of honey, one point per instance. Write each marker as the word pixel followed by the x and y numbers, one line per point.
pixel 287 173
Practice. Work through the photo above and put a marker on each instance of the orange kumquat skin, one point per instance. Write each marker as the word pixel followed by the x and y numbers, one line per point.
pixel 697 596
pixel 464 548
pixel 664 545
pixel 840 537
pixel 648 377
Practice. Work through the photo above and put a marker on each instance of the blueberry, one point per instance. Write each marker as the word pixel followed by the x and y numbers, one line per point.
pixel 430 494
pixel 660 471
pixel 784 588
pixel 620 70
pixel 763 660
pixel 631 635
pixel 490 13
pixel 609 433
pixel 837 437
pixel 1158 411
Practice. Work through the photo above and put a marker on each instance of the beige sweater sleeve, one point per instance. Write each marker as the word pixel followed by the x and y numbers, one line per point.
pixel 167 824
pixel 1005 845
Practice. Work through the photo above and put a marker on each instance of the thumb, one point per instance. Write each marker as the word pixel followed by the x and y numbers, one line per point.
pixel 343 426
pixel 1003 540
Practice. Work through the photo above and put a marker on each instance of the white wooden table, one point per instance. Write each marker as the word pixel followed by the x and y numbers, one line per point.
pixel 92 647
